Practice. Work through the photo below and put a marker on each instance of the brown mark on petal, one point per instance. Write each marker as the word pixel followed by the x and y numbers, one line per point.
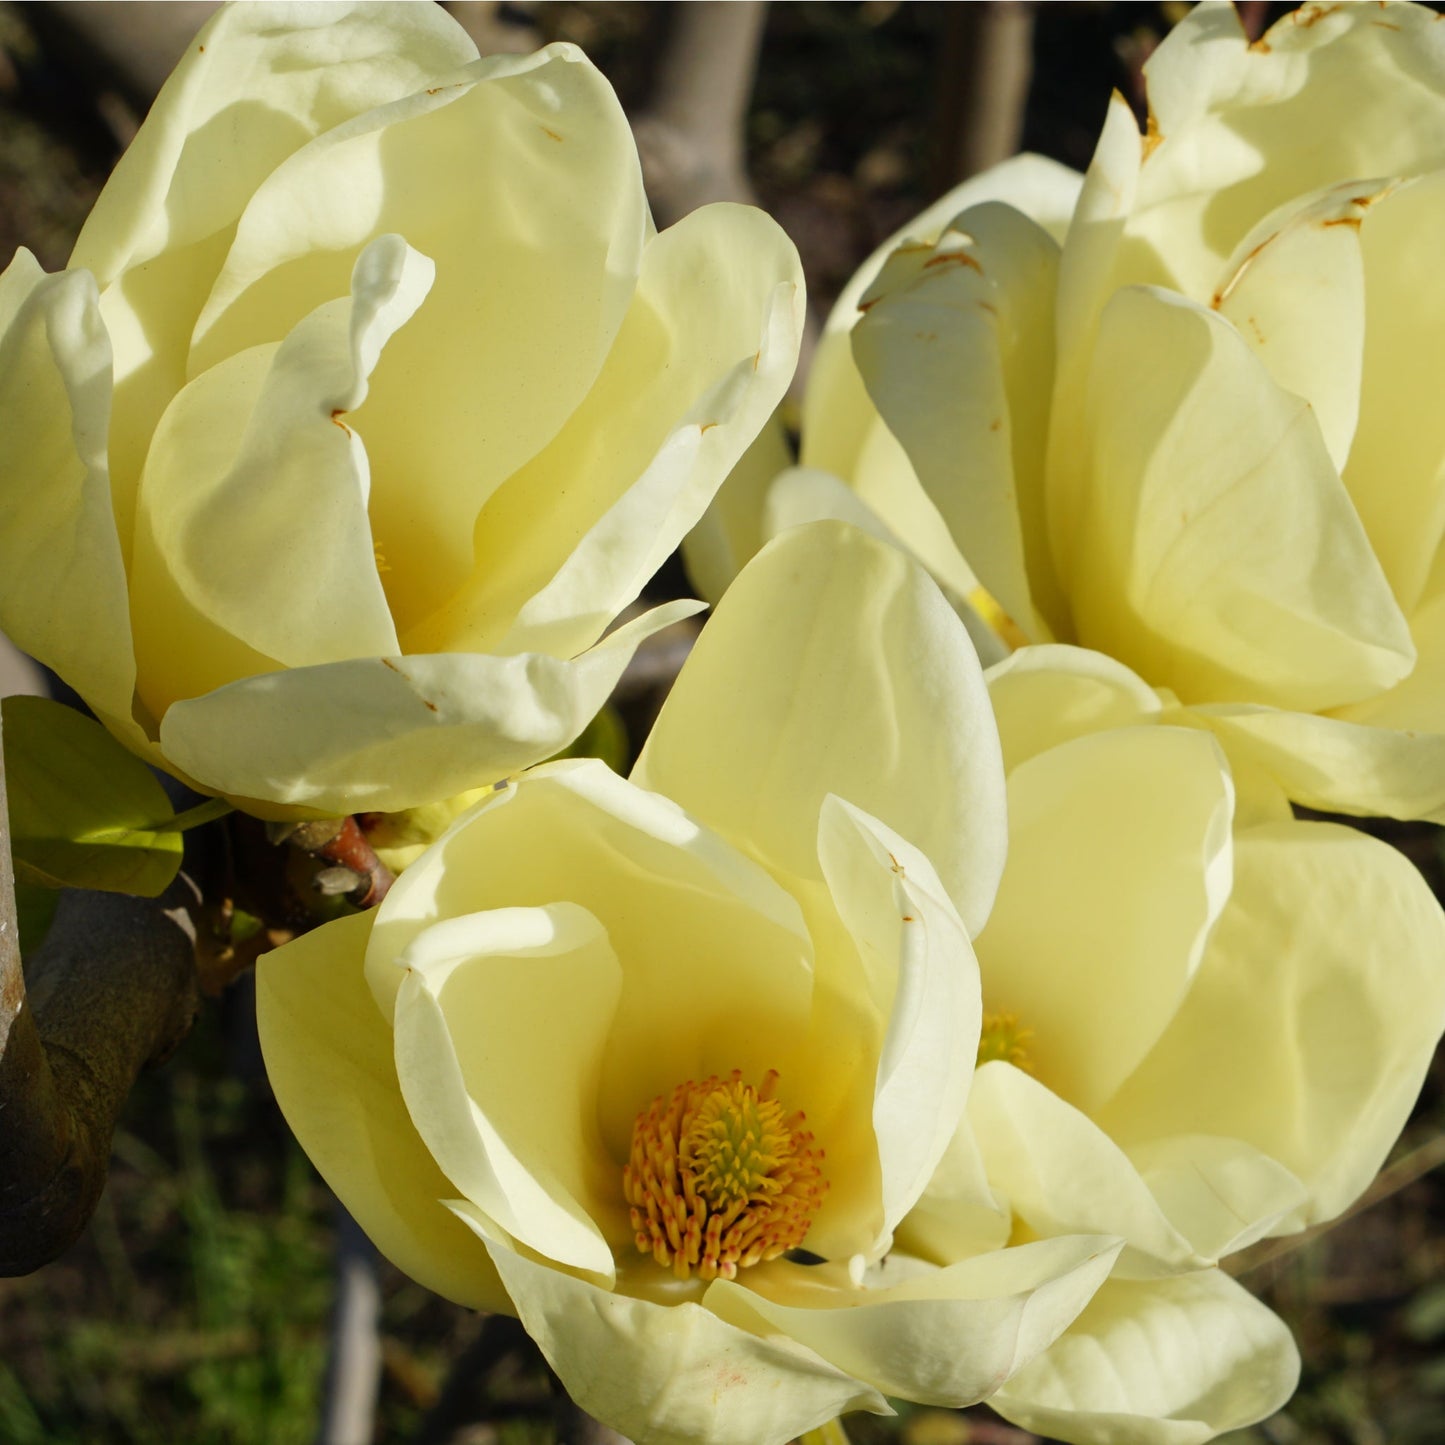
pixel 757 357
pixel 868 305
pixel 707 426
pixel 428 704
pixel 1152 138
pixel 336 416
pixel 954 258
pixel 547 130
pixel 907 917
pixel 996 423
pixel 897 866
pixel 387 662
pixel 1222 295
pixel 1308 15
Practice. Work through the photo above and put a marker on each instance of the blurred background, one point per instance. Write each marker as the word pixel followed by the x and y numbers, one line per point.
pixel 197 1306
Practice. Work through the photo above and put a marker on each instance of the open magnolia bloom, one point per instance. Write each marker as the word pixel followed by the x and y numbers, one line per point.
pixel 659 1065
pixel 1205 1023
pixel 1202 435
pixel 370 397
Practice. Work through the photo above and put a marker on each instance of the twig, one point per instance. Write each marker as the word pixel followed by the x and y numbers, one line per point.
pixel 112 989
pixel 341 843
pixel 348 1411
pixel 1399 1175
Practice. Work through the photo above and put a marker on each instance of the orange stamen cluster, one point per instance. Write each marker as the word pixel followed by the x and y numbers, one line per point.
pixel 720 1177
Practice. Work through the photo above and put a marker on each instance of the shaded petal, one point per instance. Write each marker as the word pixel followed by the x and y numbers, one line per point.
pixel 1221 1194
pixel 834 665
pixel 716 966
pixel 384 734
pixel 1119 865
pixel 1046 695
pixel 674 1374
pixel 501 1023
pixel 957 351
pixel 328 1054
pixel 958 1214
pixel 1314 1015
pixel 946 1337
pixel 64 598
pixel 1396 471
pixel 732 528
pixel 536 258
pixel 923 979
pixel 1061 1174
pixel 1178 564
pixel 704 355
pixel 252 521
pixel 1158 1362
pixel 1337 765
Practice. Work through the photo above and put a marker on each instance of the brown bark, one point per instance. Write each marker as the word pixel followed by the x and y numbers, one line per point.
pixel 986 63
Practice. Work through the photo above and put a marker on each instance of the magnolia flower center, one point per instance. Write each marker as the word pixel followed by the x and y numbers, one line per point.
pixel 720 1177
pixel 1004 1038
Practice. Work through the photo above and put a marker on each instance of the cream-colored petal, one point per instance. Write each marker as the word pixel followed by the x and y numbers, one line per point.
pixel 1045 191
pixel 1119 865
pixel 1224 562
pixel 803 494
pixel 501 1023
pixel 1044 696
pixel 957 352
pixel 843 433
pixel 716 972
pixel 945 1337
pixel 252 525
pixel 703 357
pixel 1237 127
pixel 387 733
pixel 328 1056
pixel 255 85
pixel 536 259
pixel 1338 765
pixel 1297 298
pixel 64 595
pixel 1158 1362
pixel 1313 1017
pixel 1396 472
pixel 1086 270
pixel 923 979
pixel 958 1214
pixel 1221 1194
pixel 732 528
pixel 675 1374
pixel 1061 1174
pixel 834 665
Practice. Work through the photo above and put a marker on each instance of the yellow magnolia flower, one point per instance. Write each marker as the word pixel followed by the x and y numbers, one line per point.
pixel 369 398
pixel 1205 1023
pixel 659 1065
pixel 1199 436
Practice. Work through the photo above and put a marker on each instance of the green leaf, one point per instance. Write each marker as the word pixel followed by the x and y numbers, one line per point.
pixel 84 812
